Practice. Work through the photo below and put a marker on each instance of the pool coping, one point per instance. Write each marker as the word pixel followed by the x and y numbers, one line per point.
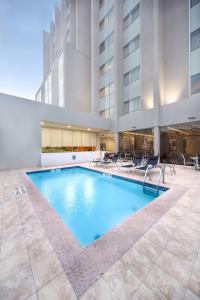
pixel 84 266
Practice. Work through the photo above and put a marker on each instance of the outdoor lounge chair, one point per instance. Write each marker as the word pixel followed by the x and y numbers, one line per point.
pixel 187 161
pixel 152 163
pixel 197 166
pixel 137 161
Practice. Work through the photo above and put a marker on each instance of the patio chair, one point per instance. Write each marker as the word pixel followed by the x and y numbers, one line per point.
pixel 187 161
pixel 137 161
pixel 197 166
pixel 151 164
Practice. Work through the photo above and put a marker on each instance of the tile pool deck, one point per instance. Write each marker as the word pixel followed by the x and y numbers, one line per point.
pixel 153 255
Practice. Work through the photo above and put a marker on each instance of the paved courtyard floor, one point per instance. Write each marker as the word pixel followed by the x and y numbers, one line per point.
pixel 163 263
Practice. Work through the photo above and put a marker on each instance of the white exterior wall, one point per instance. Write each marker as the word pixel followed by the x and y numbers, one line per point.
pixel 195 25
pixel 70 35
pixel 166 63
pixel 20 129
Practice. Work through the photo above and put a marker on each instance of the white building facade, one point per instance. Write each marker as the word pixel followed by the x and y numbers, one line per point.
pixel 135 62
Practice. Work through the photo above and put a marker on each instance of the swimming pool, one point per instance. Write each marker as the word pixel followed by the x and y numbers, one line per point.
pixel 89 202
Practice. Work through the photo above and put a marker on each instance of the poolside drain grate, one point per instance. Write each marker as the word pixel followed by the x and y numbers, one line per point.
pixel 20 190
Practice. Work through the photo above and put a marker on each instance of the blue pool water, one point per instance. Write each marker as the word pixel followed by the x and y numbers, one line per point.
pixel 89 202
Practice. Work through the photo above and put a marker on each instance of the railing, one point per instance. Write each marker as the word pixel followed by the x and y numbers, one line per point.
pixel 150 189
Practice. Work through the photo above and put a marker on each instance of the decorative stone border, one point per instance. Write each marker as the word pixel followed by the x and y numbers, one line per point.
pixel 84 266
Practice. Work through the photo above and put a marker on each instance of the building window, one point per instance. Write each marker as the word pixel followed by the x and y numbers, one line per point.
pixel 195 84
pixel 132 16
pixel 132 75
pixel 106 20
pixel 132 45
pixel 104 113
pixel 195 40
pixel 107 113
pixel 106 90
pixel 106 43
pixel 132 105
pixel 107 66
pixel 101 3
pixel 61 81
pixel 193 2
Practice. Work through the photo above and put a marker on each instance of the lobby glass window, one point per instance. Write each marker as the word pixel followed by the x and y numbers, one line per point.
pixel 132 16
pixel 195 40
pixel 193 2
pixel 132 45
pixel 195 84
pixel 131 76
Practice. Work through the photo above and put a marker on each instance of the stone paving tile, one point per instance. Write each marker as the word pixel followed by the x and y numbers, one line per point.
pixel 195 217
pixel 35 236
pixel 148 248
pixel 197 262
pixel 18 287
pixel 11 223
pixel 188 238
pixel 38 250
pixel 179 268
pixel 122 281
pixel 163 285
pixel 156 238
pixel 144 293
pixel 57 289
pixel 171 220
pixel 32 225
pixel 11 246
pixel 12 233
pixel 46 269
pixel 185 214
pixel 138 263
pixel 99 291
pixel 32 297
pixel 190 223
pixel 163 229
pixel 190 296
pixel 180 251
pixel 194 283
pixel 13 264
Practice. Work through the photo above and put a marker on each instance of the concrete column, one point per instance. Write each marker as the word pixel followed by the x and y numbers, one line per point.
pixel 156 140
pixel 98 141
pixel 116 135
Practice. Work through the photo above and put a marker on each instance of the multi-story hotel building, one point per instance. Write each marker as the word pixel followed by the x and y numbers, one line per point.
pixel 134 62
